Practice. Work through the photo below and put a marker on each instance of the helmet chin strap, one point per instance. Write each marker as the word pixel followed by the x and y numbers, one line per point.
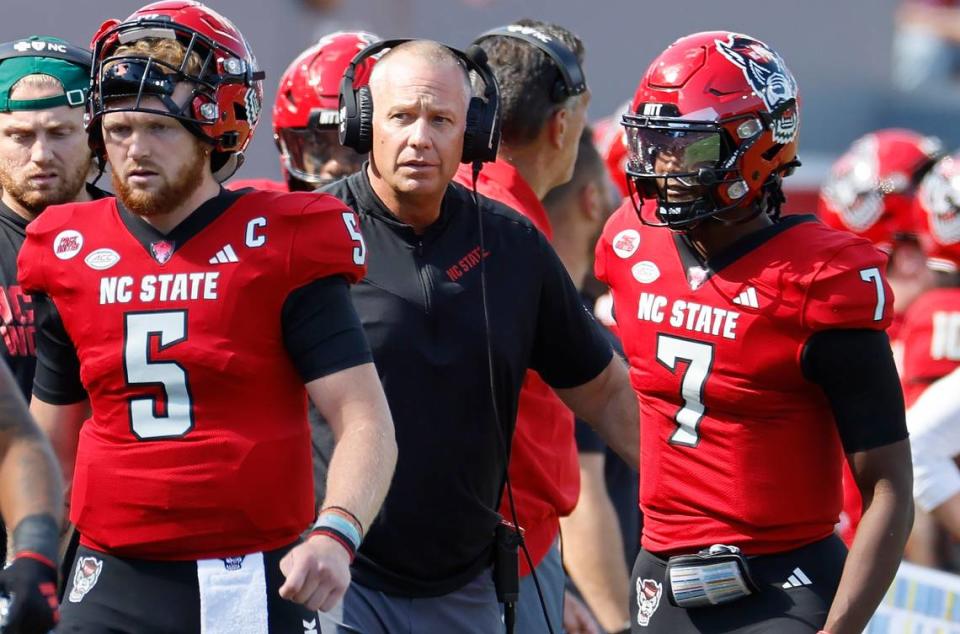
pixel 229 167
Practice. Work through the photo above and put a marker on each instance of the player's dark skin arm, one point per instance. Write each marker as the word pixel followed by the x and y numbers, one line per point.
pixel 885 479
pixel 609 405
pixel 30 480
pixel 856 371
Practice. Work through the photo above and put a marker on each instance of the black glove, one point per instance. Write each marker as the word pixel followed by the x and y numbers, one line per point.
pixel 31 584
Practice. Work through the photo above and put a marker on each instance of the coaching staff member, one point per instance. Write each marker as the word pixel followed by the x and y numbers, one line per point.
pixel 425 563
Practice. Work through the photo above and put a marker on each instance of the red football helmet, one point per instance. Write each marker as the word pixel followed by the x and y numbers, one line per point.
pixel 713 127
pixel 871 187
pixel 224 106
pixel 938 206
pixel 306 114
pixel 611 141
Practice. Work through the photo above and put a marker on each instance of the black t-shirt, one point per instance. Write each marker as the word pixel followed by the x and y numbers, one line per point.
pixel 17 314
pixel 421 308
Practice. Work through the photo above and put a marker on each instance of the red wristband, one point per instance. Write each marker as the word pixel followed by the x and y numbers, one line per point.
pixel 29 554
pixel 337 537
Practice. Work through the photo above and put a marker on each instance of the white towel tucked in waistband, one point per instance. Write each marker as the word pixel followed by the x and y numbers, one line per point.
pixel 233 595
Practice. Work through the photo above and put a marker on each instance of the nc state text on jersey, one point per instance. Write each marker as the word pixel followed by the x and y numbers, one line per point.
pixel 166 287
pixel 688 315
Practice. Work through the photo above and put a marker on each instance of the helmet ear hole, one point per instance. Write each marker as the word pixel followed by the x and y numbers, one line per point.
pixel 772 151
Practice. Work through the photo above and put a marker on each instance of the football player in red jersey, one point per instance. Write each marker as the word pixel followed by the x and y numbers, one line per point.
pixel 758 352
pixel 306 113
pixel 870 193
pixel 931 339
pixel 190 319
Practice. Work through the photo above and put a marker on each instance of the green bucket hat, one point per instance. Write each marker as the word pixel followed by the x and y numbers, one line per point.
pixel 44 55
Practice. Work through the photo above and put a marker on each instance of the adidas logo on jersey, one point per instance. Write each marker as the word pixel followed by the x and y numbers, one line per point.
pixel 796 580
pixel 747 298
pixel 225 255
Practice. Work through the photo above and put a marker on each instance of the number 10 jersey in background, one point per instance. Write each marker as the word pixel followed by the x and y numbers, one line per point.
pixel 737 446
pixel 198 445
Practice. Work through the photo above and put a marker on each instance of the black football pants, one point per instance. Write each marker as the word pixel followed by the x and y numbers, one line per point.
pixel 796 590
pixel 132 596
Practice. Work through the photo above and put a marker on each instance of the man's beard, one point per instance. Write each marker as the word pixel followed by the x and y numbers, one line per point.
pixel 35 201
pixel 171 192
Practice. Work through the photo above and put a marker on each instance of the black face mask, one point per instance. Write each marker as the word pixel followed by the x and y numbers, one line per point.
pixel 137 77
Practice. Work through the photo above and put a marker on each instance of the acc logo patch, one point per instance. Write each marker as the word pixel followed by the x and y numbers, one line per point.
pixel 648 600
pixel 626 242
pixel 85 577
pixel 67 244
pixel 102 259
pixel 645 272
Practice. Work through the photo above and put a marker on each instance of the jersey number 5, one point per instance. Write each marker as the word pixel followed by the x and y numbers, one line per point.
pixel 359 251
pixel 170 415
pixel 698 357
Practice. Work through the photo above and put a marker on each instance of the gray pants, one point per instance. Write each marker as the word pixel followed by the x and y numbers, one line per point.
pixel 529 612
pixel 473 609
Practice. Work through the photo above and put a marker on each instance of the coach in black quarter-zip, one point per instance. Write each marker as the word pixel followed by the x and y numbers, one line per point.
pixel 424 565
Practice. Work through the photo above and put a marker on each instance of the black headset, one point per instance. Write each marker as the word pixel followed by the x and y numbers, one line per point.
pixel 481 137
pixel 572 80
pixel 56 50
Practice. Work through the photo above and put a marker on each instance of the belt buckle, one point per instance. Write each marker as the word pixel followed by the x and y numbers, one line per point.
pixel 714 576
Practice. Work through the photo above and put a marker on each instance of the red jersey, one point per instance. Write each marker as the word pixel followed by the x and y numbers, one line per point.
pixel 198 444
pixel 544 465
pixel 737 446
pixel 930 336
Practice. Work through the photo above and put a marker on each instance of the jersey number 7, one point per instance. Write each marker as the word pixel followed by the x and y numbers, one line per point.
pixel 698 357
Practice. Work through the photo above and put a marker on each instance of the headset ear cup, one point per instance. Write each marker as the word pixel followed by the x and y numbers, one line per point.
pixel 364 120
pixel 473 133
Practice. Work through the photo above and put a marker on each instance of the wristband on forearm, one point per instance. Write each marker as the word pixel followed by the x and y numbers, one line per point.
pixel 340 525
pixel 37 536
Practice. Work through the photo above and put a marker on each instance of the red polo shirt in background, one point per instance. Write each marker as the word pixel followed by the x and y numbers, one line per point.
pixel 544 469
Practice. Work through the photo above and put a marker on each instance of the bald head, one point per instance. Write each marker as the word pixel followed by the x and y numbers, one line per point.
pixel 414 56
pixel 420 92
